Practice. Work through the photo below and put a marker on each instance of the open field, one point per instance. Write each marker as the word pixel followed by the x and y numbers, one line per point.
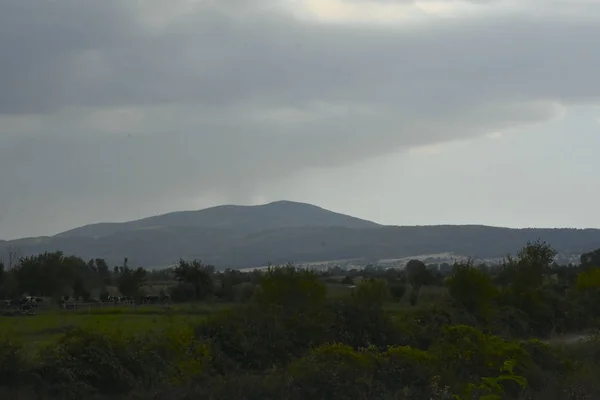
pixel 48 325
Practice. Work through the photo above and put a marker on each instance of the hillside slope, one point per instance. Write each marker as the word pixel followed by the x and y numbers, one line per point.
pixel 226 247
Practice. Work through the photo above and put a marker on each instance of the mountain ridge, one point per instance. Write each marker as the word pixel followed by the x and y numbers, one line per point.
pixel 276 214
pixel 249 236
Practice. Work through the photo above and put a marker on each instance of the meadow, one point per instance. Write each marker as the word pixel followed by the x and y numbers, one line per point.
pixel 47 326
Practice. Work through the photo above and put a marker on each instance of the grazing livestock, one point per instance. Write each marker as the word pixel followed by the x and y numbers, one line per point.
pixel 7 303
pixel 119 299
pixel 151 299
pixel 157 299
pixel 30 303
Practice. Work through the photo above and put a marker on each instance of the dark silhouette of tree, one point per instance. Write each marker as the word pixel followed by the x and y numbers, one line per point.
pixel 473 289
pixel 200 276
pixel 348 281
pixel 130 281
pixel 591 259
pixel 418 275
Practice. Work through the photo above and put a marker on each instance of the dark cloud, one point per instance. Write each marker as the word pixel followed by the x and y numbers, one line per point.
pixel 117 102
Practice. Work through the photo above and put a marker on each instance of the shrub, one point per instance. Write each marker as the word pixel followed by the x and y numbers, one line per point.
pixel 14 366
pixel 182 293
pixel 397 291
pixel 84 363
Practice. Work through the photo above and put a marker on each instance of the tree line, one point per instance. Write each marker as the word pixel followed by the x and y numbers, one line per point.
pixel 292 340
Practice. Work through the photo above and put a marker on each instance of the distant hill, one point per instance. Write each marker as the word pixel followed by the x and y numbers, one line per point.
pixel 279 214
pixel 250 236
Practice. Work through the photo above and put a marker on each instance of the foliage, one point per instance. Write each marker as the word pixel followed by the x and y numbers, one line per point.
pixel 589 279
pixel 473 289
pixel 286 339
pixel 418 275
pixel 13 364
pixel 130 281
pixel 371 293
pixel 290 288
pixel 84 363
pixel 397 291
pixel 591 259
pixel 492 388
pixel 198 275
pixel 182 293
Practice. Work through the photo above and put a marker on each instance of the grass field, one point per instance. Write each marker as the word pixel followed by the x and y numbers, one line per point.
pixel 47 326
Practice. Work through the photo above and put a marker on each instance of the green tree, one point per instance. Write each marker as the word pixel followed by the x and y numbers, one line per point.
pixel 130 281
pixel 473 289
pixel 371 293
pixel 589 279
pixel 49 274
pixel 79 290
pixel 397 290
pixel 347 281
pixel 290 288
pixel 197 274
pixel 591 259
pixel 418 275
pixel 534 262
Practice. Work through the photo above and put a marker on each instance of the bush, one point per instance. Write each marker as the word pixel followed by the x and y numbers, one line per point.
pixel 254 339
pixel 471 357
pixel 347 281
pixel 371 293
pixel 14 366
pixel 335 372
pixel 473 289
pixel 397 291
pixel 290 288
pixel 182 293
pixel 85 363
pixel 359 326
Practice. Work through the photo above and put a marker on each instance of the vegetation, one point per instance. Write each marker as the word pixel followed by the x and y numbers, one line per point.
pixel 476 332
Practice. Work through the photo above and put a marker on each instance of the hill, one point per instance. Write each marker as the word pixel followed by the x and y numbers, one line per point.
pixel 250 236
pixel 279 214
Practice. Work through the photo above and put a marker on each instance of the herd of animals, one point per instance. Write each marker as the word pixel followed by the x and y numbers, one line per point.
pixel 31 303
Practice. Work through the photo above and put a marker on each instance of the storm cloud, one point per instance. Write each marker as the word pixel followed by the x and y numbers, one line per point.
pixel 127 105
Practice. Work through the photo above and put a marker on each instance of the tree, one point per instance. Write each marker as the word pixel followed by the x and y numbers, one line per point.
pixel 79 290
pixel 397 290
pixel 347 281
pixel 589 279
pixel 526 273
pixel 371 293
pixel 2 273
pixel 14 254
pixel 473 289
pixel 291 288
pixel 130 281
pixel 534 262
pixel 591 259
pixel 46 274
pixel 198 275
pixel 418 275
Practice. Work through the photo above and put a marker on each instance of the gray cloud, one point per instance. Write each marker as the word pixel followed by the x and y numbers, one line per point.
pixel 111 104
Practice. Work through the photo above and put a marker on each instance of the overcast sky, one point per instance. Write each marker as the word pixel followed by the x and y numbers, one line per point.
pixel 403 112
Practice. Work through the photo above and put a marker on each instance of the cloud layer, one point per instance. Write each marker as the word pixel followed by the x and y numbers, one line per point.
pixel 123 104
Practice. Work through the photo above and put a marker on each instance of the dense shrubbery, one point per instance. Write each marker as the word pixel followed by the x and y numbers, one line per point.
pixel 290 341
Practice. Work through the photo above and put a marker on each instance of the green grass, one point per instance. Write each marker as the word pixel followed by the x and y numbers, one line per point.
pixel 47 326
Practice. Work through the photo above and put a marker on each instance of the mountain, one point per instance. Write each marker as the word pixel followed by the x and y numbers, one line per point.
pixel 248 219
pixel 250 236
